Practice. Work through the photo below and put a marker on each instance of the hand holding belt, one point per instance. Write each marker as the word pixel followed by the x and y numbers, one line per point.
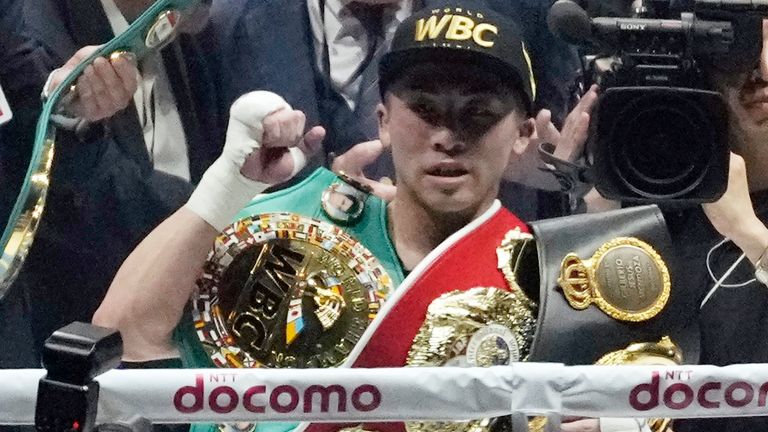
pixel 151 31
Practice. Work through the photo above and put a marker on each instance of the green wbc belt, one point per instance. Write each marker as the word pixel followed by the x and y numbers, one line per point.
pixel 150 32
pixel 295 281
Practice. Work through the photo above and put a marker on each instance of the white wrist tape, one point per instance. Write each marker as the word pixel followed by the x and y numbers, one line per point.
pixel 223 191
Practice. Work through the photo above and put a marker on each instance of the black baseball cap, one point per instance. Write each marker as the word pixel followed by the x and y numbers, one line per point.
pixel 462 33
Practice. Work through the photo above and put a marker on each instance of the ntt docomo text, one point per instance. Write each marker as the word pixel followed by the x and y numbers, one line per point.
pixel 679 392
pixel 282 399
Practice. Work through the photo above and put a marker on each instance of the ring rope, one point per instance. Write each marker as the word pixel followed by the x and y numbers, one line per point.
pixel 351 395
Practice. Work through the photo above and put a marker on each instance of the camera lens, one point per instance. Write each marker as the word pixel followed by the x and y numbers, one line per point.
pixel 661 144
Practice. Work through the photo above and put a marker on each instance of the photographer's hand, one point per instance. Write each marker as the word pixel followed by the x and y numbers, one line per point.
pixel 733 215
pixel 354 160
pixel 569 143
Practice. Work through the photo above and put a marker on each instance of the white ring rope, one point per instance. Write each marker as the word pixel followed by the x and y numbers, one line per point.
pixel 226 395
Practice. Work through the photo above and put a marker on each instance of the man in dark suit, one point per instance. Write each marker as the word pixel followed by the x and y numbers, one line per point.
pixel 24 65
pixel 298 66
pixel 107 190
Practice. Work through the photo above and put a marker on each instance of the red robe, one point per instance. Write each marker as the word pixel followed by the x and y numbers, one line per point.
pixel 465 260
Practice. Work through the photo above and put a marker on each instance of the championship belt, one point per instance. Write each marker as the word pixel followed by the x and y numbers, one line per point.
pixel 287 285
pixel 284 290
pixel 608 280
pixel 294 282
pixel 610 275
pixel 479 327
pixel 151 31
pixel 460 306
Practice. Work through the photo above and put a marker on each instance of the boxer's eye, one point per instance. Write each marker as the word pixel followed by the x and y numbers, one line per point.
pixel 426 111
pixel 482 113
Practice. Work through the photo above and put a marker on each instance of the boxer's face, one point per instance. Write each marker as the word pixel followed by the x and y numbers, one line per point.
pixel 452 132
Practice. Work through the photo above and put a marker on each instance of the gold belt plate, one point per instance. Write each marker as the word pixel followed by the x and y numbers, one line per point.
pixel 479 327
pixel 284 290
pixel 626 278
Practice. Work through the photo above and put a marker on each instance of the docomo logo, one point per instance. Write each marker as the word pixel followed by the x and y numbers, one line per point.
pixel 709 395
pixel 283 399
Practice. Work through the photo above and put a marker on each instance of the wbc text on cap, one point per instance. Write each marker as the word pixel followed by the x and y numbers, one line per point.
pixel 461 34
pixel 455 25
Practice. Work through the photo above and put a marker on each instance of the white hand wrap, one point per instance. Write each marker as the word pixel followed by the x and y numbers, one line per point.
pixel 223 191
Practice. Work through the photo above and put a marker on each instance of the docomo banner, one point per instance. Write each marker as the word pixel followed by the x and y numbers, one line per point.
pixel 410 393
pixel 190 395
pixel 674 392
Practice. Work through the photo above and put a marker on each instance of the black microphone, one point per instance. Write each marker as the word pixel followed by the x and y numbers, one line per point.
pixel 713 37
pixel 568 21
pixel 702 30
